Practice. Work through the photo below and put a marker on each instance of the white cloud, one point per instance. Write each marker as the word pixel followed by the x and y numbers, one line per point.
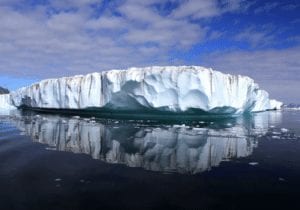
pixel 139 13
pixel 267 7
pixel 40 42
pixel 153 28
pixel 167 33
pixel 214 35
pixel 106 22
pixel 198 9
pixel 277 71
pixel 255 37
pixel 290 7
pixel 66 23
pixel 9 2
pixel 62 4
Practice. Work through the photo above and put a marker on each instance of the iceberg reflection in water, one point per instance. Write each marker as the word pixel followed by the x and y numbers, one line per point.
pixel 158 147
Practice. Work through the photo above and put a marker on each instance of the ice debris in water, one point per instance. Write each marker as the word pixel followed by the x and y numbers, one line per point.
pixel 281 179
pixel 253 163
pixel 276 133
pixel 284 130
pixel 276 137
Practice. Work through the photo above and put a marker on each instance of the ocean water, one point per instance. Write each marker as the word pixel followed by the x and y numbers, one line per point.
pixel 72 162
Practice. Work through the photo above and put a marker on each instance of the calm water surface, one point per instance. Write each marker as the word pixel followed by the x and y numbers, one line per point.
pixel 65 162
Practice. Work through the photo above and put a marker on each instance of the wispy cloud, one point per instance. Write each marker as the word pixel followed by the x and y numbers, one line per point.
pixel 267 7
pixel 256 37
pixel 205 8
pixel 290 7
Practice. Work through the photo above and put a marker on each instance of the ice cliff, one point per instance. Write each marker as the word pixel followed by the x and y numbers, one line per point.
pixel 172 89
pixel 5 104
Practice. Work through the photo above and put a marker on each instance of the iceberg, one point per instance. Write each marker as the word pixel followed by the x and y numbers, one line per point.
pixel 6 104
pixel 174 89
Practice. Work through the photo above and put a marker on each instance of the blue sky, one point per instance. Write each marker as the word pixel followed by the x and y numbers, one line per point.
pixel 53 38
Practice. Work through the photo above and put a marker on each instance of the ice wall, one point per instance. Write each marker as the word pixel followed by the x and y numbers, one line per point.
pixel 5 104
pixel 173 89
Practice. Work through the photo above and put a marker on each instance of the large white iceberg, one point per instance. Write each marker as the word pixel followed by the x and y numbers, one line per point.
pixel 177 89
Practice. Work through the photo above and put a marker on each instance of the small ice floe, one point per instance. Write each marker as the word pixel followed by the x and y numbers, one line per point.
pixel 228 124
pixel 275 137
pixel 64 121
pixel 82 180
pixel 201 122
pixel 86 119
pixel 50 148
pixel 253 163
pixel 76 117
pixel 92 121
pixel 37 116
pixel 179 126
pixel 116 122
pixel 276 133
pixel 284 130
pixel 57 179
pixel 281 179
pixel 93 118
pixel 272 126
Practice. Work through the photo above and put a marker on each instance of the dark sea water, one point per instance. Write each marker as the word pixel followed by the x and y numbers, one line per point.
pixel 65 162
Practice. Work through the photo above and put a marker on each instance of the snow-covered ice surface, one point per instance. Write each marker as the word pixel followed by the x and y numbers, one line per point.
pixel 171 89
